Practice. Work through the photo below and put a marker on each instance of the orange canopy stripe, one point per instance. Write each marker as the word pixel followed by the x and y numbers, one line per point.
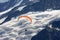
pixel 27 17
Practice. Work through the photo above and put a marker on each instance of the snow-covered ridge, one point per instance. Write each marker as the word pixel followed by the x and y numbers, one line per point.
pixel 6 11
pixel 23 29
pixel 20 2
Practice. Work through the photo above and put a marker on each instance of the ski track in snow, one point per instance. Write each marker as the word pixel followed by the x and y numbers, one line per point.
pixel 24 30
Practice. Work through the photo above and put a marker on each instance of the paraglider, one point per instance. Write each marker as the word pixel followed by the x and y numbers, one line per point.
pixel 26 17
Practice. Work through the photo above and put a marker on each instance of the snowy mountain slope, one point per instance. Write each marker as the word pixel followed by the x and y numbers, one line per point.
pixel 37 6
pixel 11 3
pixel 41 14
pixel 13 10
pixel 7 5
pixel 17 30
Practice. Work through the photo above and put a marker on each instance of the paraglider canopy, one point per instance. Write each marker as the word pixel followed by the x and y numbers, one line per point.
pixel 26 17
